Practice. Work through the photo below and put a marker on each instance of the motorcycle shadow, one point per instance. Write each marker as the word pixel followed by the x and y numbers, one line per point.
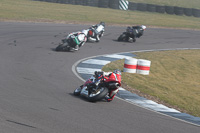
pixel 54 49
pixel 85 99
pixel 115 40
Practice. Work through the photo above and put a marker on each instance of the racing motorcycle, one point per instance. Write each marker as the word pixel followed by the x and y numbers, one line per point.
pixel 127 36
pixel 97 88
pixel 67 44
pixel 132 33
pixel 96 32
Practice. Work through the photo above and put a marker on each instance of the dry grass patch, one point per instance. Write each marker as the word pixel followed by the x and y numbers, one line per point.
pixel 173 80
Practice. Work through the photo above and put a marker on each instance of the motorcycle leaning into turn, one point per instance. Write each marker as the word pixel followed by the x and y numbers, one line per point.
pixel 132 33
pixel 73 41
pixel 100 86
pixel 96 32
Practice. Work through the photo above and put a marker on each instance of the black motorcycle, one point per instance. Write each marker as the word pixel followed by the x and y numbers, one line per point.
pixel 132 33
pixel 127 36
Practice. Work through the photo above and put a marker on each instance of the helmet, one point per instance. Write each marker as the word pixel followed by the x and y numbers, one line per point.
pixel 117 71
pixel 143 27
pixel 81 37
pixel 102 23
pixel 85 32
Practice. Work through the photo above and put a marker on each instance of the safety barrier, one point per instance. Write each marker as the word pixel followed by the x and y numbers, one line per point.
pixel 140 66
pixel 130 65
pixel 125 5
pixel 143 66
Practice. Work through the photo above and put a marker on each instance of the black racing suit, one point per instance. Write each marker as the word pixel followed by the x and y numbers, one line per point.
pixel 134 32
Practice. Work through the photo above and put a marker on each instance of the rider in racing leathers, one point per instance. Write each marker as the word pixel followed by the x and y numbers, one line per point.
pixel 98 30
pixel 134 32
pixel 77 39
pixel 110 76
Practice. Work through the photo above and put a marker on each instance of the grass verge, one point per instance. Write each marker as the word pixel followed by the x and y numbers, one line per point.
pixel 173 80
pixel 37 11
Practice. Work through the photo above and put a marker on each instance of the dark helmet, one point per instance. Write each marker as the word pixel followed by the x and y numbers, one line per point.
pixel 102 23
pixel 117 71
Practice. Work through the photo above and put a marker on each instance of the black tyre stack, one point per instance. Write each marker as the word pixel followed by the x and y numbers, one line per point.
pixel 132 6
pixel 187 11
pixel 169 9
pixel 73 2
pixel 114 4
pixel 178 11
pixel 94 3
pixel 141 7
pixel 104 3
pixel 196 12
pixel 160 9
pixel 151 8
pixel 62 1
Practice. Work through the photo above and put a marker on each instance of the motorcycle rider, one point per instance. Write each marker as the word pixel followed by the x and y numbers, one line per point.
pixel 134 32
pixel 77 39
pixel 109 77
pixel 96 31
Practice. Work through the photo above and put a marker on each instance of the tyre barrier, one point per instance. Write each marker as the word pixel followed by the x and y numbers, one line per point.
pixel 187 11
pixel 80 2
pixel 169 9
pixel 160 9
pixel 140 66
pixel 123 4
pixel 132 6
pixel 196 12
pixel 94 3
pixel 63 1
pixel 151 8
pixel 178 11
pixel 141 7
pixel 114 4
pixel 73 2
pixel 104 3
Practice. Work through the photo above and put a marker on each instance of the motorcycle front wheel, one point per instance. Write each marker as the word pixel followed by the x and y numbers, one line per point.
pixel 63 47
pixel 98 94
pixel 122 37
pixel 77 91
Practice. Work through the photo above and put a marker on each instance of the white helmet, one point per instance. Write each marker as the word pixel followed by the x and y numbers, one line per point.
pixel 143 27
pixel 85 32
pixel 81 37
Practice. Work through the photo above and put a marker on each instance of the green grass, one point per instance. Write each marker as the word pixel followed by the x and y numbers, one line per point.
pixel 179 3
pixel 37 11
pixel 173 80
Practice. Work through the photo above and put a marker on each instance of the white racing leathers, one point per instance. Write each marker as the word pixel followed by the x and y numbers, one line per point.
pixel 98 31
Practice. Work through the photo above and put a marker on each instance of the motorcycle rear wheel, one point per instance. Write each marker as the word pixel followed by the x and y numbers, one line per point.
pixel 99 94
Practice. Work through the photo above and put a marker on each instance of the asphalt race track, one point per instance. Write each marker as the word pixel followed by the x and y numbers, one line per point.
pixel 37 83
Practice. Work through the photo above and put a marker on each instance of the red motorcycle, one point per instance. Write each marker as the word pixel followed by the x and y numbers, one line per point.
pixel 100 87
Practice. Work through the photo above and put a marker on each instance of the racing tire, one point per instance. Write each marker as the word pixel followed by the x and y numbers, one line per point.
pixel 99 95
pixel 77 91
pixel 122 37
pixel 187 11
pixel 63 47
